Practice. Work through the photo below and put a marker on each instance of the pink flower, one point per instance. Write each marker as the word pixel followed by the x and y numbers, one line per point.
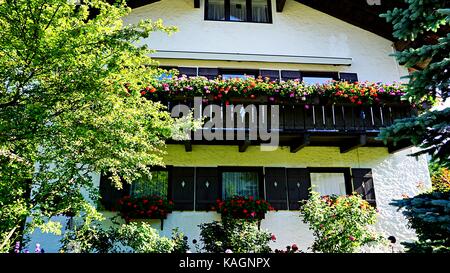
pixel 273 238
pixel 294 247
pixel 351 238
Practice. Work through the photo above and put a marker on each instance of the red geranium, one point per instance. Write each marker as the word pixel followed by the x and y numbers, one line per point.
pixel 147 207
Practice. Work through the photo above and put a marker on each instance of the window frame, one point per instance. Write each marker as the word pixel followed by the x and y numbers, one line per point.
pixel 319 74
pixel 243 72
pixel 258 170
pixel 249 13
pixel 345 171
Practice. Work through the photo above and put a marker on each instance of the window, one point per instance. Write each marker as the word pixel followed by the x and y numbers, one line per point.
pixel 319 77
pixel 331 181
pixel 237 73
pixel 257 11
pixel 240 183
pixel 328 183
pixel 157 184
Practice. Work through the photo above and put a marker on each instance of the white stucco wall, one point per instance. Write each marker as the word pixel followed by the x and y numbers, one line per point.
pixel 394 175
pixel 298 30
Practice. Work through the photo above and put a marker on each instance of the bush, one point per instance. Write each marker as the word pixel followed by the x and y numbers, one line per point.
pixel 234 235
pixel 429 215
pixel 340 223
pixel 133 237
pixel 180 241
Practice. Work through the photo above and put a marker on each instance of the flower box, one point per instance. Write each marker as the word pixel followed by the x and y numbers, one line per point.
pixel 240 207
pixel 146 207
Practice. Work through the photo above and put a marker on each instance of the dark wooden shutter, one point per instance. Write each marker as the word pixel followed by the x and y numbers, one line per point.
pixel 207 188
pixel 109 194
pixel 181 188
pixel 363 184
pixel 299 183
pixel 210 73
pixel 290 75
pixel 276 192
pixel 188 71
pixel 349 77
pixel 272 74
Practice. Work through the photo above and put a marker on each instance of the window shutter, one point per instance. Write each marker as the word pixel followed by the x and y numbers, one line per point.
pixel 276 193
pixel 207 188
pixel 290 75
pixel 181 188
pixel 299 183
pixel 188 71
pixel 210 73
pixel 363 184
pixel 349 77
pixel 109 194
pixel 274 75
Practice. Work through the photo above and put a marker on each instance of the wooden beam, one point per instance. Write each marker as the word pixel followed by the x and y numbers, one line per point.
pixel 197 4
pixel 244 145
pixel 280 5
pixel 188 146
pixel 298 145
pixel 356 143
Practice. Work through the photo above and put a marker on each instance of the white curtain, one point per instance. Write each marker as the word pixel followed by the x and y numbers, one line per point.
pixel 239 183
pixel 328 183
pixel 216 10
pixel 260 11
pixel 157 184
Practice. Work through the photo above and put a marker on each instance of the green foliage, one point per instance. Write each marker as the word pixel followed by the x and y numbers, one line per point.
pixel 424 24
pixel 67 109
pixel 237 235
pixel 129 238
pixel 142 238
pixel 180 241
pixel 341 224
pixel 429 215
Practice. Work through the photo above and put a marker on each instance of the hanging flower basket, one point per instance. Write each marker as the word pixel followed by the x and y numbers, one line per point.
pixel 147 207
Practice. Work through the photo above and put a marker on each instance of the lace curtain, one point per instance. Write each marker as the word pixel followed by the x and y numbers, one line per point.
pixel 328 183
pixel 157 184
pixel 239 183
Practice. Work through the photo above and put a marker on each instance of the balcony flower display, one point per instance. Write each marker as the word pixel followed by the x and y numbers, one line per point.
pixel 148 207
pixel 220 90
pixel 239 207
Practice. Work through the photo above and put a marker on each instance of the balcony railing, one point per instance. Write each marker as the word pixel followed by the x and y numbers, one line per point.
pixel 347 126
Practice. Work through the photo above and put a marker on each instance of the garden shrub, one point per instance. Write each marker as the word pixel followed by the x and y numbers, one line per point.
pixel 341 224
pixel 234 235
pixel 429 214
pixel 132 238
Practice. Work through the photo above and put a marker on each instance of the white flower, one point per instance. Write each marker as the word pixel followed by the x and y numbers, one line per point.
pixel 228 251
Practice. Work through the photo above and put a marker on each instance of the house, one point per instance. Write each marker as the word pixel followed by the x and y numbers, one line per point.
pixel 331 147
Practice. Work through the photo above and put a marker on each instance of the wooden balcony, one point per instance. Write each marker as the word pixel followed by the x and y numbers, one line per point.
pixel 347 126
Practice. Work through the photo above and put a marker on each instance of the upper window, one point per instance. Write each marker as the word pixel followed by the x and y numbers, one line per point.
pixel 319 77
pixel 156 184
pixel 257 11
